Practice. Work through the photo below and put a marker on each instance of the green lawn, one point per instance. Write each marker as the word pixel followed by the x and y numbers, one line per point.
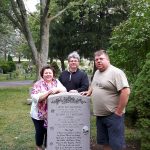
pixel 16 127
pixel 12 76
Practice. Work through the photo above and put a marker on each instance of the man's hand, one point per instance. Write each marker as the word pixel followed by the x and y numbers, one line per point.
pixel 85 93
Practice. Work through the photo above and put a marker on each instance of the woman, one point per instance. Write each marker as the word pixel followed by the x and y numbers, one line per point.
pixel 46 86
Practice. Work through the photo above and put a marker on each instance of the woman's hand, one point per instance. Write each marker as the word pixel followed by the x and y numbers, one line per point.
pixel 55 90
pixel 44 95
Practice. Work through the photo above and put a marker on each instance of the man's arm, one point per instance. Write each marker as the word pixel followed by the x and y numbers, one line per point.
pixel 123 100
pixel 87 93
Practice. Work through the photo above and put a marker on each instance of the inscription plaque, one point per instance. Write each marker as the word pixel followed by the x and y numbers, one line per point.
pixel 68 122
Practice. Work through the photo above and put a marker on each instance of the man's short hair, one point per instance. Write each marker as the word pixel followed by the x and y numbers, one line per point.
pixel 100 52
pixel 74 54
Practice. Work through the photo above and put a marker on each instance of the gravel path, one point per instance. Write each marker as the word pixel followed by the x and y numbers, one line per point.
pixel 15 83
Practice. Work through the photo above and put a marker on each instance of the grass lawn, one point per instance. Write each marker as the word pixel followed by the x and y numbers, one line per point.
pixel 16 127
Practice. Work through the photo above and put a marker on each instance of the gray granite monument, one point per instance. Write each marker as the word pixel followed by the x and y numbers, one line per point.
pixel 68 122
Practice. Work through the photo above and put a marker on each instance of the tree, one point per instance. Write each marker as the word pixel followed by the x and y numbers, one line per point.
pixel 140 103
pixel 62 31
pixel 130 40
pixel 85 28
pixel 6 40
pixel 15 10
pixel 10 42
pixel 19 46
pixel 130 48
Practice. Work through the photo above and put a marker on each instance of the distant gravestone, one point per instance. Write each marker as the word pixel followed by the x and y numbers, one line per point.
pixel 68 122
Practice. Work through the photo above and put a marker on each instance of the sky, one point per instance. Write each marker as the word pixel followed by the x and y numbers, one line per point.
pixel 30 5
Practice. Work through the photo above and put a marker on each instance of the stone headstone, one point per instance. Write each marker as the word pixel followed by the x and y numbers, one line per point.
pixel 68 122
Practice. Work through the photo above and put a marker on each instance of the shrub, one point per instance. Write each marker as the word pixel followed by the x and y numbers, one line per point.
pixel 4 66
pixel 25 66
pixel 12 66
pixel 10 58
pixel 140 103
pixel 7 66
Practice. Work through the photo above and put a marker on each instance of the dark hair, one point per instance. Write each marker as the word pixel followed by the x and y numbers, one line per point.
pixel 47 67
pixel 100 52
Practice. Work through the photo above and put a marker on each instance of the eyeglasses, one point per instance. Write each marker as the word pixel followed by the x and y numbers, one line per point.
pixel 101 59
pixel 73 61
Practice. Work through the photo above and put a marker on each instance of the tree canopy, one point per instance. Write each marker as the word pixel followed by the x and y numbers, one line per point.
pixel 85 28
pixel 16 12
pixel 130 40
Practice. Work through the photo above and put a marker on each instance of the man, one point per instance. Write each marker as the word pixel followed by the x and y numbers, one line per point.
pixel 110 92
pixel 74 79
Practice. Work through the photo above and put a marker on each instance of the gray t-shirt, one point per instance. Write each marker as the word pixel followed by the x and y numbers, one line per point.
pixel 106 86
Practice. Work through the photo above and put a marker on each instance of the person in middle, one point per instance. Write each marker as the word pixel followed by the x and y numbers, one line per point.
pixel 74 79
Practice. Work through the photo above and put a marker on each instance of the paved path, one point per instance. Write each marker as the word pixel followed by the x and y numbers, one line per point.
pixel 15 83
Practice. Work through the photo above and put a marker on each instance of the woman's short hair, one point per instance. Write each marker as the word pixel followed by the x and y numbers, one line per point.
pixel 47 67
pixel 74 54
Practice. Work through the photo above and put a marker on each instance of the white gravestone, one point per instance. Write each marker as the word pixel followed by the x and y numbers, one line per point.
pixel 68 122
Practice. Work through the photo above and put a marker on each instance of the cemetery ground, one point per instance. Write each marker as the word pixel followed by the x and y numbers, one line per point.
pixel 16 127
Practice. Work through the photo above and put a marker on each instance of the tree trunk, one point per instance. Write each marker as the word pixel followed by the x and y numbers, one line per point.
pixel 5 54
pixel 62 64
pixel 19 17
pixel 19 58
pixel 44 36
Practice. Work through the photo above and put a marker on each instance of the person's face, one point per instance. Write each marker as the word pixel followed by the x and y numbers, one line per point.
pixel 48 75
pixel 73 63
pixel 101 62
